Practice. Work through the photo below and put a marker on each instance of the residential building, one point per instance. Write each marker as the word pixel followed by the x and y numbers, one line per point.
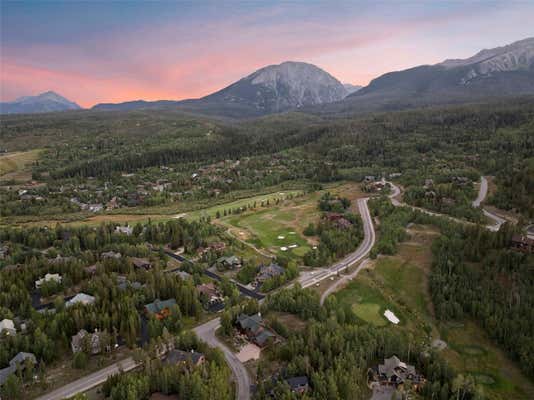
pixel 7 327
pixel 230 262
pixel 141 263
pixel 80 298
pixel 252 326
pixel 394 372
pixel 126 230
pixel 523 243
pixel 18 362
pixel 48 278
pixel 85 340
pixel 179 357
pixel 267 272
pixel 298 384
pixel 110 255
pixel 161 309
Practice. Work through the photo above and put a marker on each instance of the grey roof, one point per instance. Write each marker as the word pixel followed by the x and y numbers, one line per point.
pixel 19 359
pixel 297 381
pixel 178 356
pixel 159 305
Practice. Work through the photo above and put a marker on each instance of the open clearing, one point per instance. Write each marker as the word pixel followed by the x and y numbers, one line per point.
pixel 279 229
pixel 400 283
pixel 17 165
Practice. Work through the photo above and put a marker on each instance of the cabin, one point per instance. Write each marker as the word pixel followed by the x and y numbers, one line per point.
pixel 110 255
pixel 210 297
pixel 185 358
pixel 523 244
pixel 161 309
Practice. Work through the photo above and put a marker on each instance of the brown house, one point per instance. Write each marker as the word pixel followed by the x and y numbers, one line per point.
pixel 523 244
pixel 141 263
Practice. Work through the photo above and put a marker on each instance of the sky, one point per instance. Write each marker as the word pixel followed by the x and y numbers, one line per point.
pixel 113 51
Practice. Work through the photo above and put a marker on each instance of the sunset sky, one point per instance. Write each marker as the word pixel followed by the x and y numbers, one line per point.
pixel 92 52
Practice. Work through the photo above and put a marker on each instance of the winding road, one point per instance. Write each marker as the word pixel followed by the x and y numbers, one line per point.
pixel 482 193
pixel 206 332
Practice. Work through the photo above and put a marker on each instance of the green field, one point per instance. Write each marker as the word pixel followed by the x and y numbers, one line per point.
pixel 400 284
pixel 17 165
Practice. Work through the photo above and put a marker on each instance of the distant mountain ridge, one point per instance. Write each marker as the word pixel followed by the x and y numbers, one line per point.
pixel 503 71
pixel 44 102
pixel 275 88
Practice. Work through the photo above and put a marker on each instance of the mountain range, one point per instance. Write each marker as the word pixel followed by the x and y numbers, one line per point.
pixel 502 71
pixel 44 102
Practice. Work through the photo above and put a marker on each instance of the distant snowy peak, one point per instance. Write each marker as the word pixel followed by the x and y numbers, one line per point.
pixel 44 102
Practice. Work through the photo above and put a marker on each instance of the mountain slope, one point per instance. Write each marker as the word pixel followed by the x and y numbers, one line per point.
pixel 271 89
pixel 503 71
pixel 45 102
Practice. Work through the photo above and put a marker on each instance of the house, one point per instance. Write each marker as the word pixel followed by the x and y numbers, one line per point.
pixel 125 230
pixel 112 204
pixel 182 274
pixel 211 296
pixel 48 278
pixel 161 309
pixel 298 384
pixel 91 269
pixel 252 327
pixel 522 243
pixel 369 178
pixel 80 298
pixel 231 262
pixel 339 220
pixel 110 255
pixel 4 252
pixel 394 372
pixel 84 340
pixel 141 263
pixel 17 363
pixel 216 247
pixel 179 357
pixel 269 271
pixel 7 327
pixel 428 183
pixel 95 207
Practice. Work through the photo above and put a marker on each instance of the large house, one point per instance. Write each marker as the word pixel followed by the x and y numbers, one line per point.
pixel 211 297
pixel 48 278
pixel 252 326
pixel 7 327
pixel 523 244
pixel 394 372
pixel 269 271
pixel 18 362
pixel 141 263
pixel 179 357
pixel 161 309
pixel 83 340
pixel 80 298
pixel 230 262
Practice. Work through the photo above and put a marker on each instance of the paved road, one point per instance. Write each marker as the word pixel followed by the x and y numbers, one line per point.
pixel 310 278
pixel 332 288
pixel 482 193
pixel 89 381
pixel 206 332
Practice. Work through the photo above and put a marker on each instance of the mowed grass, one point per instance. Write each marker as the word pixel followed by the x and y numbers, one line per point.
pixel 270 231
pixel 282 225
pixel 400 282
pixel 17 165
pixel 471 352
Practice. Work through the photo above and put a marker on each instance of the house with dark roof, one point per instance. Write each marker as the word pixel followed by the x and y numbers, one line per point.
pixel 394 372
pixel 161 309
pixel 523 244
pixel 252 326
pixel 84 340
pixel 298 384
pixel 18 362
pixel 228 262
pixel 141 263
pixel 186 358
pixel 267 272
